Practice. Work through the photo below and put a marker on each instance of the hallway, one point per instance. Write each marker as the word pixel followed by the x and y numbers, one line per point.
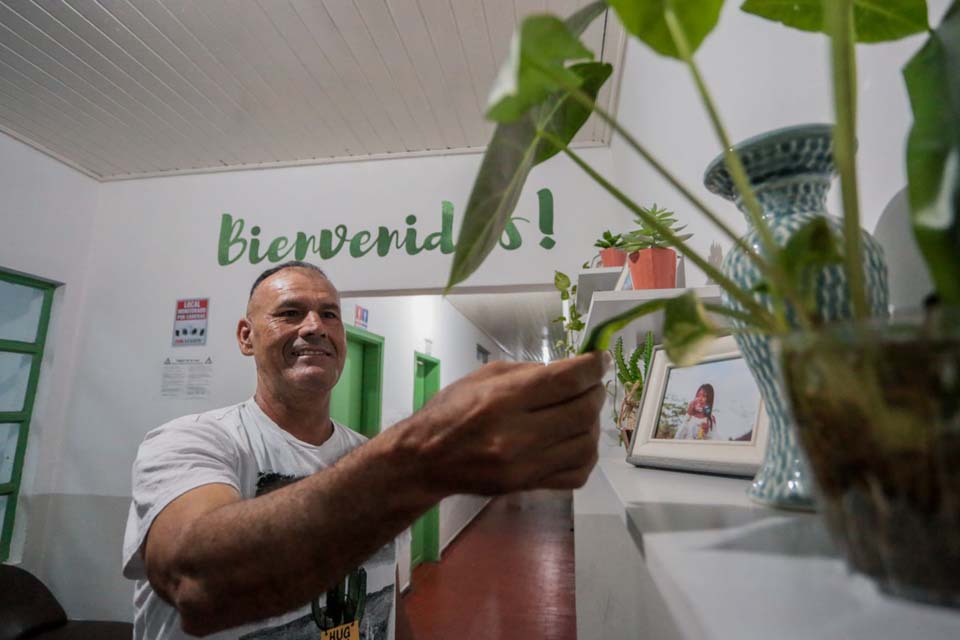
pixel 510 574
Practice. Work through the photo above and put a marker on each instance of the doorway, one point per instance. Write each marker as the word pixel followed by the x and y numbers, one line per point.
pixel 358 397
pixel 425 533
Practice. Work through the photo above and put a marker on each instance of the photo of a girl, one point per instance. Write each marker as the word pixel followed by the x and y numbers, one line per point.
pixel 712 401
pixel 699 423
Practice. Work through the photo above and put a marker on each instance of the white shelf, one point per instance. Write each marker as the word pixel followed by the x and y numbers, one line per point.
pixel 606 304
pixel 590 281
pixel 716 566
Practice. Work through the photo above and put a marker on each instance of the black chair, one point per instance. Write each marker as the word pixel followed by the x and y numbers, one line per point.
pixel 29 610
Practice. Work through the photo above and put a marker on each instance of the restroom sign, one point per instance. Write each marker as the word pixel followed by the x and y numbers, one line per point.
pixel 360 317
pixel 190 322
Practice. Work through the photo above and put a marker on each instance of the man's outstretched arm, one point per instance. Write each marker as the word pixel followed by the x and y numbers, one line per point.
pixel 223 561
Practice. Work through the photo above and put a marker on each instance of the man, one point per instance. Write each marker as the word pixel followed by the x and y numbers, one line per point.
pixel 245 520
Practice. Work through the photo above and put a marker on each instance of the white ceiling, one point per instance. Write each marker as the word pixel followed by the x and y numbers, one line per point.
pixel 518 322
pixel 134 88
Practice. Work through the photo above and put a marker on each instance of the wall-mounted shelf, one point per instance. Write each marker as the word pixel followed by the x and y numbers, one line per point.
pixel 606 304
pixel 590 281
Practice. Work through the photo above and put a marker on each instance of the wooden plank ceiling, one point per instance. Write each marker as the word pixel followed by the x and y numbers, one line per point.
pixel 520 323
pixel 135 88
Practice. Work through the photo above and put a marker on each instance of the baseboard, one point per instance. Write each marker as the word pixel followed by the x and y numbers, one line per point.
pixel 464 526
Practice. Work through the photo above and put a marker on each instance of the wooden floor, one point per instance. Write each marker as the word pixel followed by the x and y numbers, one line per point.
pixel 508 575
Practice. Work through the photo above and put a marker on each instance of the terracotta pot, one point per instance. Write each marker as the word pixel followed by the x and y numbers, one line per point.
pixel 653 269
pixel 613 257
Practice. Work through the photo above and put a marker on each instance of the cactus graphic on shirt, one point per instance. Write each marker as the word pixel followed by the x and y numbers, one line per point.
pixel 345 602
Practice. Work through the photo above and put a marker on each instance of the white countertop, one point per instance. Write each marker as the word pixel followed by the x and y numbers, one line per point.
pixel 730 569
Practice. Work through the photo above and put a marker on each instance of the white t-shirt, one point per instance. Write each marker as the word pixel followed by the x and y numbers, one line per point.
pixel 239 446
pixel 691 427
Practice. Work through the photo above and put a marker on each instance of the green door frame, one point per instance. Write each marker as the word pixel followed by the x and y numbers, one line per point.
pixel 11 490
pixel 424 387
pixel 372 385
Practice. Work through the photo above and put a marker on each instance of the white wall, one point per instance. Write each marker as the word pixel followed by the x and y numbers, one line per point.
pixel 46 225
pixel 156 241
pixel 405 324
pixel 128 250
pixel 763 76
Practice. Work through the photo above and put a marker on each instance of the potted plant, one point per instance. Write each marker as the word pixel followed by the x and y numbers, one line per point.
pixel 571 320
pixel 891 500
pixel 653 264
pixel 632 372
pixel 611 250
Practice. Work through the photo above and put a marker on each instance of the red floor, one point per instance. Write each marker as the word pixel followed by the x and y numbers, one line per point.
pixel 508 575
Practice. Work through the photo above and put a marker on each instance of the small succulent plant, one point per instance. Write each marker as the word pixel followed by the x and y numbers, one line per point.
pixel 609 241
pixel 652 237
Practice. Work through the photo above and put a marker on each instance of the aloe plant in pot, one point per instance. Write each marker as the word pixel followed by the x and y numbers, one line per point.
pixel 653 264
pixel 632 372
pixel 539 103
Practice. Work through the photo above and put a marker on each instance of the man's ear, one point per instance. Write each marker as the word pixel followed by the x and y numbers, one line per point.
pixel 244 331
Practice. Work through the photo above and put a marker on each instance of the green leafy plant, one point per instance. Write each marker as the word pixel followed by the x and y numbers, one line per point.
pixel 571 320
pixel 540 100
pixel 649 235
pixel 609 241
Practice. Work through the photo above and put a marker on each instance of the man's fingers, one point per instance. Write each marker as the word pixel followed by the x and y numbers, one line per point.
pixel 558 381
pixel 567 464
pixel 560 422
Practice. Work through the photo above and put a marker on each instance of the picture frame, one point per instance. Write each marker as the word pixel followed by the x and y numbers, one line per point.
pixel 707 418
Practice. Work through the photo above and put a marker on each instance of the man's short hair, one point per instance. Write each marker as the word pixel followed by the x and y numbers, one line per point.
pixel 291 264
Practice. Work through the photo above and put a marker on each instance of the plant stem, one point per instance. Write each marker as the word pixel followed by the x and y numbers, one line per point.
pixel 839 19
pixel 767 269
pixel 586 101
pixel 739 176
pixel 761 316
pixel 721 310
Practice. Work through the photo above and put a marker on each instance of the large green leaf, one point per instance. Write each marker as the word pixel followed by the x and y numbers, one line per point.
pixel 874 20
pixel 599 338
pixel 566 114
pixel 516 148
pixel 646 20
pixel 535 68
pixel 933 153
pixel 687 329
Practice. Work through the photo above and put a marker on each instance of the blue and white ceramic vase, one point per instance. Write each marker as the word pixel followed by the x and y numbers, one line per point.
pixel 791 170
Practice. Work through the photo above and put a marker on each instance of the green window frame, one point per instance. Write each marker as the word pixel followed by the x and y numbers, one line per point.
pixel 11 490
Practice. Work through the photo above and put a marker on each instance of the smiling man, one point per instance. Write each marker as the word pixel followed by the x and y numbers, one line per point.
pixel 267 519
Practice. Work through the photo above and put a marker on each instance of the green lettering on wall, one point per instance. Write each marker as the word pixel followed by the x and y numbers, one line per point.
pixel 278 249
pixel 305 244
pixel 232 246
pixel 386 240
pixel 513 241
pixel 230 231
pixel 358 246
pixel 327 250
pixel 410 241
pixel 255 258
pixel 444 237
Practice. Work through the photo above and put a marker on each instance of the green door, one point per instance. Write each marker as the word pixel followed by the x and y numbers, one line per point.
pixel 346 404
pixel 425 533
pixel 357 398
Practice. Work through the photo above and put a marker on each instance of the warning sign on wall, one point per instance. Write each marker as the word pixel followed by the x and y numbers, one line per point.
pixel 186 377
pixel 190 322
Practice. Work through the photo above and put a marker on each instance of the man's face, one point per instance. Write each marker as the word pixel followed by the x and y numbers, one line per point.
pixel 294 331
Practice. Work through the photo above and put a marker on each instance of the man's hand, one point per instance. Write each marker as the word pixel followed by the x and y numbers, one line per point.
pixel 513 426
pixel 507 427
